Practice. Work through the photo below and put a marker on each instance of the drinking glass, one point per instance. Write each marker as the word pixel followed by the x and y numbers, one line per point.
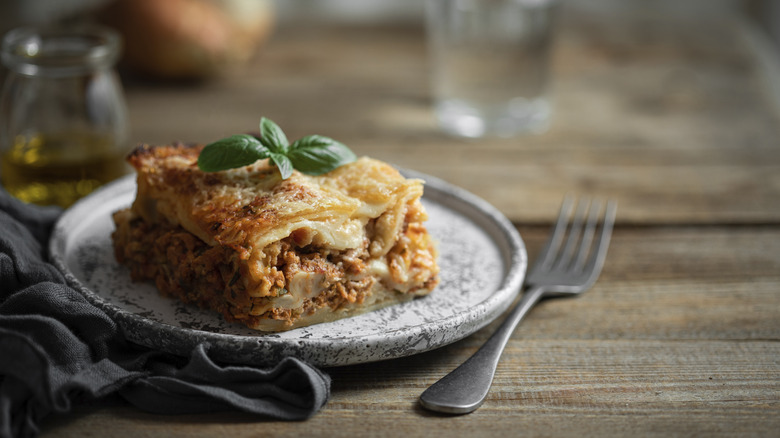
pixel 490 65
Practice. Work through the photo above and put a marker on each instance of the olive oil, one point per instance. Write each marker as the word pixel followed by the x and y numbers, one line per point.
pixel 59 168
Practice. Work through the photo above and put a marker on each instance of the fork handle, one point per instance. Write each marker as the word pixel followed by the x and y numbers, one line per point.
pixel 465 388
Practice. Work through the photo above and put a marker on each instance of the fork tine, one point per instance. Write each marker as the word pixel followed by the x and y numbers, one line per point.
pixel 575 229
pixel 587 236
pixel 550 249
pixel 596 261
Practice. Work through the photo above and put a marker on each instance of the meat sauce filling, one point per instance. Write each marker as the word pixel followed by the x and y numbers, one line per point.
pixel 183 266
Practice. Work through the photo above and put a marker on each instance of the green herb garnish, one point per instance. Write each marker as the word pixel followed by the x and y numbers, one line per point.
pixel 312 155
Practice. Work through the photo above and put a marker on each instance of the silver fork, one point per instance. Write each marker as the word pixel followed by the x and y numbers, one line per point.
pixel 564 268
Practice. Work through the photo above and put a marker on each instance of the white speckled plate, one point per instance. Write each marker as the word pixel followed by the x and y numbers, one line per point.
pixel 482 258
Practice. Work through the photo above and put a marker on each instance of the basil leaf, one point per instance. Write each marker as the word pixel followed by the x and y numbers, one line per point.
pixel 313 154
pixel 228 153
pixel 283 163
pixel 272 136
pixel 316 154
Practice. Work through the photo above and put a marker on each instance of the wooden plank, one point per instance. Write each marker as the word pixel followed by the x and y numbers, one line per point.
pixel 593 388
pixel 673 283
pixel 544 388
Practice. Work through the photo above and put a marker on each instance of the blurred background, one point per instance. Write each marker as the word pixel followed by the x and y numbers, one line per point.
pixel 213 34
pixel 637 83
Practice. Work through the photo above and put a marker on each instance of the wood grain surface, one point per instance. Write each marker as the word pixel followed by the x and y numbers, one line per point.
pixel 681 334
pixel 678 338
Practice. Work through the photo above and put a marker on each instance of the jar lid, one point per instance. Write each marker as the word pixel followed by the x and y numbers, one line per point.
pixel 60 51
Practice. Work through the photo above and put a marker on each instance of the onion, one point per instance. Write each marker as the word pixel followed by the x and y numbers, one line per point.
pixel 177 39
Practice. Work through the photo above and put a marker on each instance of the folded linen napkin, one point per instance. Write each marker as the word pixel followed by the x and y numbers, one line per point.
pixel 56 349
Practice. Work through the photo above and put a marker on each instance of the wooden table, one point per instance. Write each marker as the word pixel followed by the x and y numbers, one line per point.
pixel 674 117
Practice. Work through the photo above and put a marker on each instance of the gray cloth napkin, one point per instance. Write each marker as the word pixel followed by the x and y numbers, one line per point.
pixel 57 350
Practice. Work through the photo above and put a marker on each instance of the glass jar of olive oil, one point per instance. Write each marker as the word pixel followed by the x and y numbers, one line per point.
pixel 63 117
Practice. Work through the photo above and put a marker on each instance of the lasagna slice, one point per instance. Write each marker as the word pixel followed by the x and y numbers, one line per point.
pixel 275 254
